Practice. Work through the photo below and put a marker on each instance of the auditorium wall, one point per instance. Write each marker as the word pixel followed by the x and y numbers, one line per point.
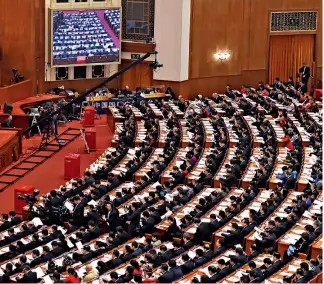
pixel 18 38
pixel 240 27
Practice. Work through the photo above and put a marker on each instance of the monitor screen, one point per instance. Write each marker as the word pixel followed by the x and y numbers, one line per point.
pixel 81 37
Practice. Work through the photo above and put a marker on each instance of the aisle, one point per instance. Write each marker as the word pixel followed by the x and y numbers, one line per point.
pixel 50 174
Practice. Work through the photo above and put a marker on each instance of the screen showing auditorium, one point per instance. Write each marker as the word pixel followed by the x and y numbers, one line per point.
pixel 81 37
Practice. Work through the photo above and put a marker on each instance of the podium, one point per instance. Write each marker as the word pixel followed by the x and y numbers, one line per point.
pixel 90 135
pixel 21 190
pixel 72 166
pixel 89 114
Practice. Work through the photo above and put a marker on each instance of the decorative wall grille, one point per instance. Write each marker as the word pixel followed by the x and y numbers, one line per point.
pixel 293 21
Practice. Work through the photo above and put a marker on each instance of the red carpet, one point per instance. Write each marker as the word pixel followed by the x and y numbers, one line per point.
pixel 49 175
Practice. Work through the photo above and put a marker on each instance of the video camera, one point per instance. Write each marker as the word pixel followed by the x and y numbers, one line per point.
pixel 30 199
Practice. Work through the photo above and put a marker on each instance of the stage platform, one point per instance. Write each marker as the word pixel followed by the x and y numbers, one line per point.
pixel 20 118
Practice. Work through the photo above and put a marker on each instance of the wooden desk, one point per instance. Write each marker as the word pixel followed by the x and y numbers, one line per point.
pixel 304 136
pixel 222 170
pixel 187 136
pixel 208 132
pixel 288 270
pixel 296 231
pixel 19 117
pixel 163 226
pixel 254 204
pixel 10 147
pixel 121 166
pixel 317 247
pixel 113 117
pixel 279 212
pixel 198 272
pixel 191 229
pixel 137 114
pixel 232 137
pixel 157 112
pixel 306 169
pixel 176 161
pixel 254 131
pixel 141 133
pixel 175 109
pixel 280 162
pixel 251 168
pixel 16 92
pixel 121 269
pixel 119 127
pixel 236 275
pixel 148 165
pixel 199 167
pixel 68 185
pixel 163 133
pixel 59 260
pixel 279 133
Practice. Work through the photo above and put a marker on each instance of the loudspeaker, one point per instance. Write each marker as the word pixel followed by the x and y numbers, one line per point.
pixel 7 108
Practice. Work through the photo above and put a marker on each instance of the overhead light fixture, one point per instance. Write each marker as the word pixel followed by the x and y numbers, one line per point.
pixel 222 56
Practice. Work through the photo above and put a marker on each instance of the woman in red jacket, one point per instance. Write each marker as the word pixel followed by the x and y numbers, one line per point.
pixel 288 142
pixel 73 277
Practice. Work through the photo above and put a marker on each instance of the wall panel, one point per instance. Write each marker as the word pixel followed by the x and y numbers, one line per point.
pixel 241 27
pixel 140 75
pixel 17 39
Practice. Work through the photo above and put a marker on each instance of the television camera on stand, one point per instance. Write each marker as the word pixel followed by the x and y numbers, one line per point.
pixel 50 129
pixel 30 199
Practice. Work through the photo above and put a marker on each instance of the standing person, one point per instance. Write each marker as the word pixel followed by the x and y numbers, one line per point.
pixel 7 123
pixel 305 72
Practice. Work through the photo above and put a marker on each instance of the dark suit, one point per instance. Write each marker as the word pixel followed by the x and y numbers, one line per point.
pixel 188 267
pixel 305 70
pixel 123 237
pixel 114 263
pixel 188 245
pixel 301 280
pixel 167 256
pixel 47 257
pixel 253 255
pixel 248 229
pixel 36 261
pixel 86 257
pixel 30 277
pixel 15 220
pixel 78 213
pixel 167 277
pixel 137 252
pixel 200 261
pixel 57 251
pixel 223 273
pixel 232 238
pixel 203 233
pixel 178 178
pixel 7 123
pixel 209 255
pixel 230 180
pixel 148 225
pixel 177 273
pixel 258 273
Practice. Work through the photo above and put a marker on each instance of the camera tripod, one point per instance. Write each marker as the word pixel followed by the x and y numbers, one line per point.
pixel 47 136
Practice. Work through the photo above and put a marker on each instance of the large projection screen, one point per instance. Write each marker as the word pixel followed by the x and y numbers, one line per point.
pixel 85 36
